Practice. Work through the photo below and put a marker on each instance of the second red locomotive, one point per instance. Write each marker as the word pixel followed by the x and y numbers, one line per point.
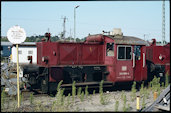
pixel 158 60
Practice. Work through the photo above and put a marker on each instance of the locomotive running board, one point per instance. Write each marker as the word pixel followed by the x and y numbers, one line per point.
pixel 105 83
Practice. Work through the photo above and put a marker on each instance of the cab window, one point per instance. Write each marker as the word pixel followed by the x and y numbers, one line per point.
pixel 121 53
pixel 124 53
pixel 110 49
pixel 137 52
pixel 128 52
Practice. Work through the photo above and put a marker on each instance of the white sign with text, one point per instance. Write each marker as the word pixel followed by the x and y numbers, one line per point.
pixel 16 35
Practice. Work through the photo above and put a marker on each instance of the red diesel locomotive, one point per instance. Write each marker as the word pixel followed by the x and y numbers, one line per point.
pixel 112 58
pixel 158 60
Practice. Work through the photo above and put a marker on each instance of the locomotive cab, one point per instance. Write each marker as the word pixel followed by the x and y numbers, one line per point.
pixel 125 58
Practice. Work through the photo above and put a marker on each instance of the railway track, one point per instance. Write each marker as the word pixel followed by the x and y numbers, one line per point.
pixel 162 103
pixel 36 93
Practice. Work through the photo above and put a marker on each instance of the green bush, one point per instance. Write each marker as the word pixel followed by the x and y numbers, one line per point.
pixel 59 85
pixel 166 79
pixel 155 84
pixel 86 91
pixel 53 107
pixel 31 98
pixel 116 106
pixel 21 98
pixel 68 100
pixel 122 94
pixel 101 92
pixel 133 91
pixel 82 96
pixel 142 89
pixel 94 91
pixel 3 95
pixel 73 91
pixel 124 103
pixel 79 92
pixel 59 97
pixel 128 108
pixel 103 98
pixel 146 93
pixel 143 102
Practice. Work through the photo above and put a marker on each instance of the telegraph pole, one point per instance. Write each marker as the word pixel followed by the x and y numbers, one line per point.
pixel 48 30
pixel 63 33
pixel 163 23
pixel 145 36
pixel 70 35
pixel 75 23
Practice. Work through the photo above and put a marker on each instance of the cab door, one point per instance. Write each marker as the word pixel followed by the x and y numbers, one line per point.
pixel 124 70
pixel 139 63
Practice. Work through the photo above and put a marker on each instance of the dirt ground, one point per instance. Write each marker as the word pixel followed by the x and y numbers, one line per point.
pixel 90 103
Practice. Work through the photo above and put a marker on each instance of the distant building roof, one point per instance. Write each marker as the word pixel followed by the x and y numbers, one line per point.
pixel 22 44
pixel 6 44
pixel 28 43
pixel 3 37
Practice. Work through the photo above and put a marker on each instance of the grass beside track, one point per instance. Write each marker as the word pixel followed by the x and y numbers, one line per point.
pixel 84 100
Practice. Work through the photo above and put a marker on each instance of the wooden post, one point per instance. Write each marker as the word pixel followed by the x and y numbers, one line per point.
pixel 18 89
pixel 138 103
pixel 17 35
pixel 155 95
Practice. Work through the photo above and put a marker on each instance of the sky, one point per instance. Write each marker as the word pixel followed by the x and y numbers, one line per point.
pixel 141 19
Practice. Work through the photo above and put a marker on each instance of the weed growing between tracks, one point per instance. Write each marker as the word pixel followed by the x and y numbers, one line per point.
pixel 167 79
pixel 133 91
pixel 103 98
pixel 86 91
pixel 3 95
pixel 73 91
pixel 82 96
pixel 31 98
pixel 68 100
pixel 116 105
pixel 101 101
pixel 21 98
pixel 124 103
pixel 79 92
pixel 94 91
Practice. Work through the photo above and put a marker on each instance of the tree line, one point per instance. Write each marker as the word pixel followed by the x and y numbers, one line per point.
pixel 40 37
pixel 53 39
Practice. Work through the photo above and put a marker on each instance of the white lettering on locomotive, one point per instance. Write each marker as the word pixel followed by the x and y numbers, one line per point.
pixel 124 73
pixel 124 68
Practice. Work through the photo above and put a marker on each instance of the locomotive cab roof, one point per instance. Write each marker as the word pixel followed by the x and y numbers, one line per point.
pixel 130 40
pixel 118 39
